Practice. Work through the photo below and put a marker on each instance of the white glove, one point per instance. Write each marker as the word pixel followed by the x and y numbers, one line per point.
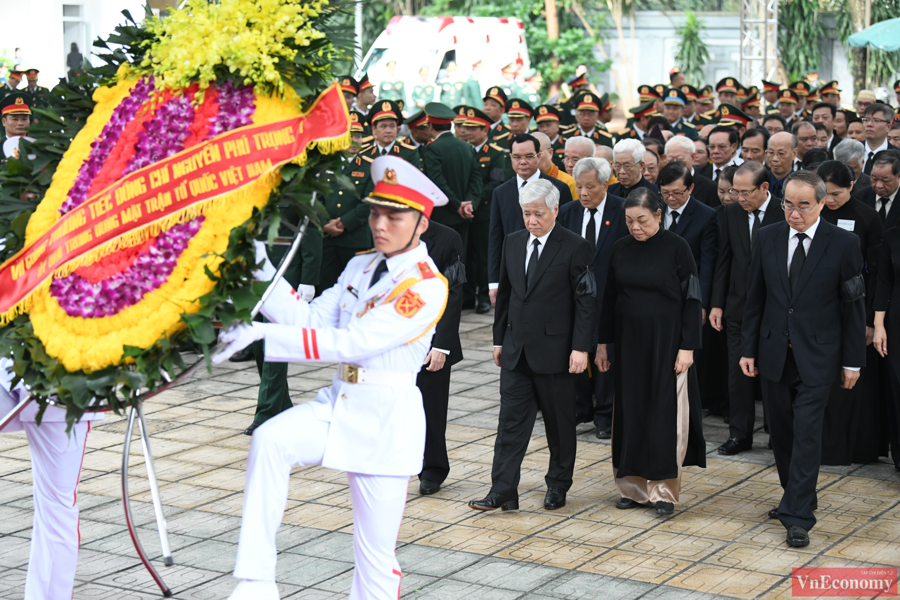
pixel 267 271
pixel 307 292
pixel 236 338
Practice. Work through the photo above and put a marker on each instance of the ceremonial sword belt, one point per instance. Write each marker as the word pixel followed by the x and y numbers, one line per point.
pixel 352 374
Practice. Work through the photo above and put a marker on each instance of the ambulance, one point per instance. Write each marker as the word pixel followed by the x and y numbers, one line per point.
pixel 410 43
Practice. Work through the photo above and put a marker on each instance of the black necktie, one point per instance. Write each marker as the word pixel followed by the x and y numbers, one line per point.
pixel 531 271
pixel 868 169
pixel 776 189
pixel 590 232
pixel 755 227
pixel 380 270
pixel 882 212
pixel 674 220
pixel 797 261
pixel 523 184
pixel 716 174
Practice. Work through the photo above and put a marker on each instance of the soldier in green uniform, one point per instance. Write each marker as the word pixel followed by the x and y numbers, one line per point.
pixel 452 88
pixel 587 114
pixel 494 106
pixel 419 134
pixel 15 116
pixel 752 105
pixel 450 164
pixel 726 90
pixel 732 116
pixel 770 93
pixel 509 85
pixel 459 121
pixel 567 108
pixel 492 160
pixel 472 88
pixel 547 118
pixel 391 88
pixel 673 108
pixel 787 106
pixel 640 119
pixel 689 112
pixel 12 83
pixel 801 88
pixel 606 113
pixel 531 90
pixel 366 96
pixel 385 118
pixel 350 88
pixel 423 93
pixel 519 113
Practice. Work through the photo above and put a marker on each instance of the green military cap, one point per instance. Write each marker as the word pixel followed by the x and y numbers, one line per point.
pixel 497 94
pixel 357 121
pixel 727 85
pixel 547 112
pixel 15 103
pixel 732 115
pixel 644 110
pixel 690 92
pixel 418 119
pixel 477 118
pixel 439 114
pixel 459 112
pixel 518 108
pixel 801 87
pixel 384 109
pixel 674 96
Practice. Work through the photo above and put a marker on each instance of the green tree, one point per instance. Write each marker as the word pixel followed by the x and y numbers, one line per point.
pixel 879 66
pixel 692 54
pixel 799 33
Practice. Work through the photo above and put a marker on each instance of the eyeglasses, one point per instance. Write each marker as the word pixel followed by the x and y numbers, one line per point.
pixel 782 154
pixel 741 193
pixel 518 158
pixel 666 194
pixel 625 166
pixel 866 120
pixel 789 208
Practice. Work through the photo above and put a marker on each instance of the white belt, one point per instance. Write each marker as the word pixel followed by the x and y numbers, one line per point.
pixel 351 374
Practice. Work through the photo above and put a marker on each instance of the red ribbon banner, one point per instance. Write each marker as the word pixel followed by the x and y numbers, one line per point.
pixel 202 173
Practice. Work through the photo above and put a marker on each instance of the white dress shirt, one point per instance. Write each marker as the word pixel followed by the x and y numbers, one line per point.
pixel 598 218
pixel 520 182
pixel 680 210
pixel 529 249
pixel 717 170
pixel 887 205
pixel 479 146
pixel 384 149
pixel 883 146
pixel 792 246
pixel 762 213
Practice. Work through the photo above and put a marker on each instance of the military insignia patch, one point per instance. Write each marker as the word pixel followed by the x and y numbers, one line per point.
pixel 390 176
pixel 385 106
pixel 408 304
pixel 357 174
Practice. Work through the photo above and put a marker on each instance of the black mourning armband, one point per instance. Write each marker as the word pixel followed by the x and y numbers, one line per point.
pixel 498 174
pixel 587 284
pixel 690 287
pixel 455 274
pixel 853 289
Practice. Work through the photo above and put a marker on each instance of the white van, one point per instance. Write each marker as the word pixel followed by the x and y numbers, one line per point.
pixel 433 42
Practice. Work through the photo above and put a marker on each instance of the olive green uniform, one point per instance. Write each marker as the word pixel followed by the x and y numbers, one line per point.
pixel 452 93
pixel 472 95
pixel 392 90
pixel 682 127
pixel 450 164
pixel 423 93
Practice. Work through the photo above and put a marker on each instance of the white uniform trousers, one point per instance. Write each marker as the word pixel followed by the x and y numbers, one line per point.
pixel 298 437
pixel 56 460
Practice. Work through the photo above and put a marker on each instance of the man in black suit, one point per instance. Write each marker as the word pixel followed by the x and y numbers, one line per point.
pixel 694 221
pixel 599 218
pixel 882 191
pixel 506 214
pixel 723 146
pixel 853 154
pixel 445 249
pixel 804 330
pixel 680 149
pixel 628 167
pixel 741 221
pixel 823 113
pixel 780 156
pixel 543 324
pixel 877 120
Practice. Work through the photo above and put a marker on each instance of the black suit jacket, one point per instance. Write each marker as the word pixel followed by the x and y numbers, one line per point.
pixel 733 265
pixel 698 225
pixel 617 189
pixel 825 326
pixel 868 197
pixel 557 314
pixel 612 228
pixel 867 167
pixel 506 217
pixel 445 248
pixel 706 170
pixel 706 190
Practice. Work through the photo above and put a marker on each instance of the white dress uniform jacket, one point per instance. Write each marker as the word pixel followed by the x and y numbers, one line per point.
pixel 374 429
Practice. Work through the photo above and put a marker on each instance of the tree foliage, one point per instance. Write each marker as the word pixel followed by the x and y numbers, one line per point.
pixel 799 32
pixel 691 55
pixel 881 66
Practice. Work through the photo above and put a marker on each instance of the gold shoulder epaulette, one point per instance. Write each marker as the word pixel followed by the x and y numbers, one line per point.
pixel 691 125
pixel 605 133
pixel 496 147
pixel 627 131
pixel 367 158
pixel 405 145
pixel 502 136
pixel 367 139
pixel 709 113
pixel 361 252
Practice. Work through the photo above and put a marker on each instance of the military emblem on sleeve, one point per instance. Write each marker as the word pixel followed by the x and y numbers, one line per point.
pixel 409 304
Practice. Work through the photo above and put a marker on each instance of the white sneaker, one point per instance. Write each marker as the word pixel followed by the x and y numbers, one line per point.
pixel 255 590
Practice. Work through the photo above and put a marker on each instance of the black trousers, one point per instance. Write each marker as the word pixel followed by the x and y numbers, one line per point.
pixel 596 385
pixel 521 393
pixel 435 387
pixel 795 412
pixel 741 389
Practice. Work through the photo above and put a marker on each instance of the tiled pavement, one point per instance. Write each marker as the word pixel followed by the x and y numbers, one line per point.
pixel 718 543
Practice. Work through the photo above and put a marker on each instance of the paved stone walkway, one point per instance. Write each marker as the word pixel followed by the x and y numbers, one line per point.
pixel 717 544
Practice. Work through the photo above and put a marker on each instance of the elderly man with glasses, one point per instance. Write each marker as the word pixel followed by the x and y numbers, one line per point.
pixel 506 216
pixel 780 155
pixel 877 121
pixel 628 167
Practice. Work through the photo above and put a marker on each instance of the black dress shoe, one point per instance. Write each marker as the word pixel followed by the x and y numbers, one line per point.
pixel 664 508
pixel 580 418
pixel 797 537
pixel 426 488
pixel 626 503
pixel 735 446
pixel 814 506
pixel 253 427
pixel 604 433
pixel 244 355
pixel 555 498
pixel 482 308
pixel 494 501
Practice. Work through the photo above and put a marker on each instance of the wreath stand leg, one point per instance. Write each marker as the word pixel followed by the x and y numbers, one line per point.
pixel 138 411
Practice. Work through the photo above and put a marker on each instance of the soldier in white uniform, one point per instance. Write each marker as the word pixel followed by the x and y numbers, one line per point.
pixel 56 460
pixel 377 322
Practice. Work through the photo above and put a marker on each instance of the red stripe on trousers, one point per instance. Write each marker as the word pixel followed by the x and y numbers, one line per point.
pixel 315 346
pixel 400 575
pixel 305 343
